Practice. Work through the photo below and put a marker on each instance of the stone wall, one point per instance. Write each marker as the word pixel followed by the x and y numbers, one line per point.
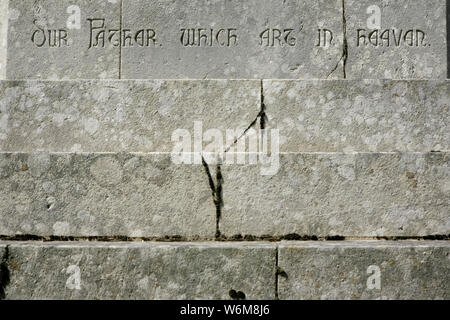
pixel 257 149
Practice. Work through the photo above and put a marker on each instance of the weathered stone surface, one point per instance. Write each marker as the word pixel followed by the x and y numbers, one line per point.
pixel 238 51
pixel 103 195
pixel 115 116
pixel 69 50
pixel 3 36
pixel 366 116
pixel 362 194
pixel 348 270
pixel 418 54
pixel 140 270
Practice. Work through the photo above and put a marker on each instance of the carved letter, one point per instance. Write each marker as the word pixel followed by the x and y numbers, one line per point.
pixel 151 34
pixel 62 37
pixel 409 38
pixel 232 36
pixel 399 39
pixel 373 38
pixel 221 43
pixel 290 41
pixel 264 37
pixel 420 32
pixel 361 36
pixel 99 36
pixel 385 36
pixel 39 32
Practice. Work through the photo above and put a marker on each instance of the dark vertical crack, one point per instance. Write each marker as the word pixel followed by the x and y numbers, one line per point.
pixel 217 192
pixel 345 44
pixel 276 274
pixel 279 272
pixel 219 198
pixel 261 116
pixel 4 273
pixel 344 56
pixel 262 113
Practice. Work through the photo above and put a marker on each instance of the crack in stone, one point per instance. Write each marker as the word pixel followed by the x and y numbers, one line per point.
pixel 4 273
pixel 344 56
pixel 261 116
pixel 223 238
pixel 217 192
pixel 276 274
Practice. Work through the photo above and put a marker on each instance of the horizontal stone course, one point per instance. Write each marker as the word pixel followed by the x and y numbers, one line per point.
pixel 210 270
pixel 364 270
pixel 125 194
pixel 257 39
pixel 116 116
pixel 139 270
pixel 147 195
pixel 361 116
pixel 326 194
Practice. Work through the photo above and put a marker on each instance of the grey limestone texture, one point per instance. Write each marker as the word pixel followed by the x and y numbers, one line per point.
pixel 3 37
pixel 233 39
pixel 305 270
pixel 125 194
pixel 56 40
pixel 396 39
pixel 351 195
pixel 148 271
pixel 281 39
pixel 116 116
pixel 364 270
pixel 359 116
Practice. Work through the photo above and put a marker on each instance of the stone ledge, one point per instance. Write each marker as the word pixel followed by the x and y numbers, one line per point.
pixel 139 270
pixel 364 270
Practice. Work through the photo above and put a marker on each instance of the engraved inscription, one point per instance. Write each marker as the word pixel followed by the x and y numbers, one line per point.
pixel 100 36
pixel 391 38
pixel 49 38
pixel 325 38
pixel 199 37
pixel 277 38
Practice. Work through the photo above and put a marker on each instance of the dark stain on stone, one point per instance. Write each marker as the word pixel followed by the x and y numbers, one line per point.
pixel 239 237
pixel 334 238
pixel 410 175
pixel 282 273
pixel 217 193
pixel 25 167
pixel 236 295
